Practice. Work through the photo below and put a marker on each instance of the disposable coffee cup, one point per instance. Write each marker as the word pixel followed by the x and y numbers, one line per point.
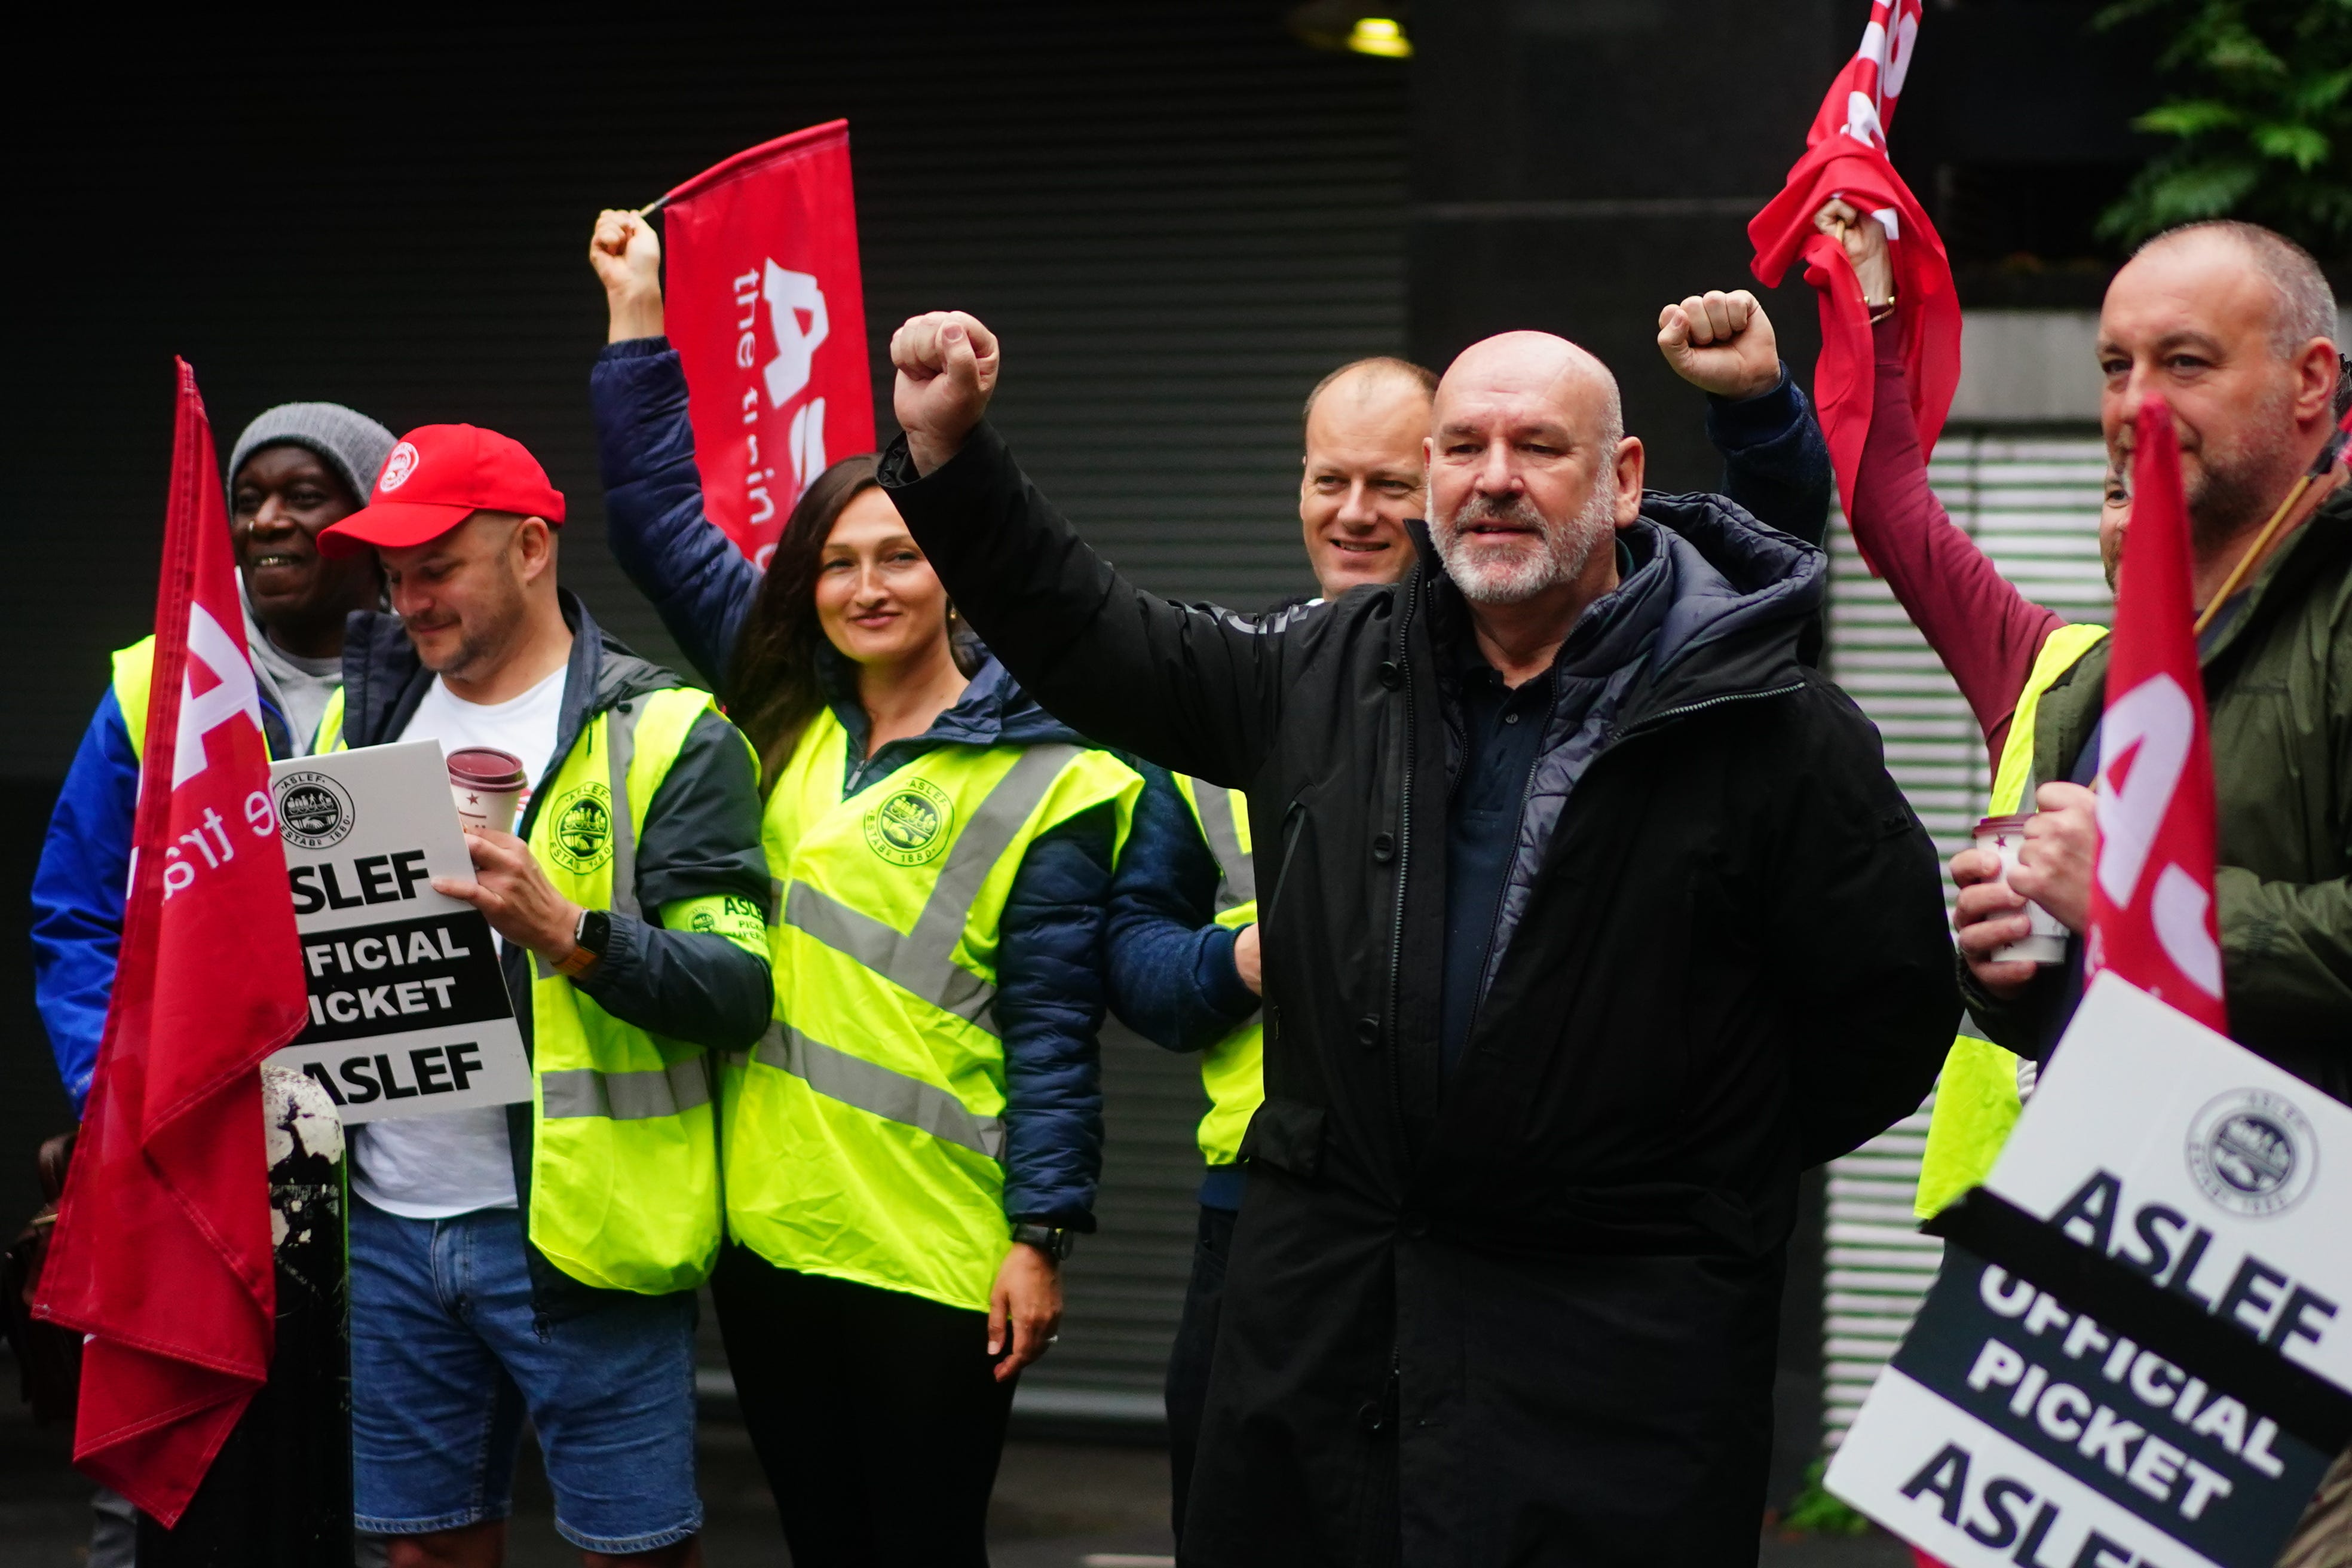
pixel 2045 938
pixel 487 783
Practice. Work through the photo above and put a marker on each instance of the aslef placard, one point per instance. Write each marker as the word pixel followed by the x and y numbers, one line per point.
pixel 2219 1178
pixel 2205 1192
pixel 409 1015
pixel 2011 1429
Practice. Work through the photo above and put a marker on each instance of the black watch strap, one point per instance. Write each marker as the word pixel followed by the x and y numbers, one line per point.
pixel 1053 1240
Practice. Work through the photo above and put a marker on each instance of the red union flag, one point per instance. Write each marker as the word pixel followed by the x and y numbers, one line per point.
pixel 1845 156
pixel 765 308
pixel 162 1253
pixel 2152 918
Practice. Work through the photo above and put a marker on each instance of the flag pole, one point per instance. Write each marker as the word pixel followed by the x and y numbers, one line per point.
pixel 2260 546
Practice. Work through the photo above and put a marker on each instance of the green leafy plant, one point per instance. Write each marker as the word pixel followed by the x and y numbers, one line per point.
pixel 2261 120
pixel 1815 1513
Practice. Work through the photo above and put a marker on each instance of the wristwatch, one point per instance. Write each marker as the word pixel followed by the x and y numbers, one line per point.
pixel 1054 1241
pixel 588 940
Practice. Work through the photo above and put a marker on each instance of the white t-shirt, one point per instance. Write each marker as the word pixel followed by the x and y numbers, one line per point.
pixel 430 1167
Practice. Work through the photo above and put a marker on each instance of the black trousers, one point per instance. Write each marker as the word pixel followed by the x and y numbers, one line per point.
pixel 875 1415
pixel 1188 1361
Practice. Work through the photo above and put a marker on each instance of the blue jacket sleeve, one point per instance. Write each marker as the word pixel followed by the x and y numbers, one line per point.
pixel 78 895
pixel 1049 1006
pixel 699 584
pixel 1775 462
pixel 1170 967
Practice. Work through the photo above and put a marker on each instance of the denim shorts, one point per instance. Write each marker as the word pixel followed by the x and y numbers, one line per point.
pixel 445 1361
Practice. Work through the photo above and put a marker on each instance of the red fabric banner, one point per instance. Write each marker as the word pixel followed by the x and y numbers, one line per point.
pixel 765 304
pixel 162 1252
pixel 2152 918
pixel 1845 155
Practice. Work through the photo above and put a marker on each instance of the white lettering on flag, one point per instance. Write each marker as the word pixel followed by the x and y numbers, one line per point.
pixel 2151 727
pixel 2179 918
pixel 788 294
pixel 807 443
pixel 233 693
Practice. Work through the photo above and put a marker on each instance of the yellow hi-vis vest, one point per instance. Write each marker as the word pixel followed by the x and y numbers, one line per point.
pixel 1233 1070
pixel 1977 1101
pixel 863 1136
pixel 134 679
pixel 624 1161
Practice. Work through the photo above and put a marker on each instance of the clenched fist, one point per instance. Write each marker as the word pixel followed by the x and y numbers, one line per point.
pixel 1721 344
pixel 627 254
pixel 947 364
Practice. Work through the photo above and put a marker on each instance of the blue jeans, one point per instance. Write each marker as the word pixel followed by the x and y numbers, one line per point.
pixel 447 1358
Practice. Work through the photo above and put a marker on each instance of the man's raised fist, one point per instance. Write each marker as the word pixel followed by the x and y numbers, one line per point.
pixel 1721 344
pixel 627 255
pixel 946 364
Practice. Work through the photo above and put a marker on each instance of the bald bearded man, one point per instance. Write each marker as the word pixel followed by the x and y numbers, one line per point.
pixel 1591 918
pixel 1183 951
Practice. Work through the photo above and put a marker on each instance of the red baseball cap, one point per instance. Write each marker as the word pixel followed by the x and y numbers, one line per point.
pixel 436 478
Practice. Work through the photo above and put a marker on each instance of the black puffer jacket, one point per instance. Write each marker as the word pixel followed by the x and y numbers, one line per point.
pixel 1526 1315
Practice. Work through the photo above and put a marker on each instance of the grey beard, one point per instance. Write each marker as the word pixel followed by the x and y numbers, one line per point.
pixel 2236 493
pixel 1568 548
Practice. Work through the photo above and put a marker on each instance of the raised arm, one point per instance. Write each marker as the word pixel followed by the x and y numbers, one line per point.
pixel 1193 688
pixel 1984 630
pixel 699 584
pixel 1776 465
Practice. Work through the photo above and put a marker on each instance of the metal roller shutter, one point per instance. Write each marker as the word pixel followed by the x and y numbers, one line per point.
pixel 2032 502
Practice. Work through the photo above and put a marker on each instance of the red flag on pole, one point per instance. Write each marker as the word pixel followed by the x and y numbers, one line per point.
pixel 1845 155
pixel 162 1253
pixel 2152 917
pixel 764 305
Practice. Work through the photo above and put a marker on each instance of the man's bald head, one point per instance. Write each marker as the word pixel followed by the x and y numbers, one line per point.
pixel 1540 367
pixel 2303 305
pixel 1529 470
pixel 1362 386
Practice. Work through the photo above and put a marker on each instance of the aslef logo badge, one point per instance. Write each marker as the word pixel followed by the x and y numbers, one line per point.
pixel 910 824
pixel 396 468
pixel 2253 1153
pixel 583 839
pixel 314 812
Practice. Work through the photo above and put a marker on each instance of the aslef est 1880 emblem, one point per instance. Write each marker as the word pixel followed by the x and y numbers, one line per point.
pixel 2253 1153
pixel 314 811
pixel 910 824
pixel 583 839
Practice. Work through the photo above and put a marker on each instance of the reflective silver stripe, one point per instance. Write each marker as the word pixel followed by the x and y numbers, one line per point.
pixel 626 1096
pixel 922 961
pixel 1237 879
pixel 855 1081
pixel 620 746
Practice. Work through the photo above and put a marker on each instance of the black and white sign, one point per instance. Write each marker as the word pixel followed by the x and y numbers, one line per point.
pixel 2011 1429
pixel 2204 1193
pixel 409 1015
pixel 2222 1180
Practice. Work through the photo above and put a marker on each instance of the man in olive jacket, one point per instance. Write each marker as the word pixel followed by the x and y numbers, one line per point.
pixel 2232 325
pixel 1591 918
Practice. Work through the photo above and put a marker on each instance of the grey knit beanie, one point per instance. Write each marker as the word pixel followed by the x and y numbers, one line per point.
pixel 346 440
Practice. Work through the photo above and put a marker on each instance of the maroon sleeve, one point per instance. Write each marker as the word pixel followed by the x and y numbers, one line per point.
pixel 1985 631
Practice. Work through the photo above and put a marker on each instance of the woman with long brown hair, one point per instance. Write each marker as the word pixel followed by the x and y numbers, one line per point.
pixel 909 1149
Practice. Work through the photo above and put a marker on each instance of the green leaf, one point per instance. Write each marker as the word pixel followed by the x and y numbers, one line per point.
pixel 2189 117
pixel 2209 188
pixel 2236 48
pixel 2298 144
pixel 2315 94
